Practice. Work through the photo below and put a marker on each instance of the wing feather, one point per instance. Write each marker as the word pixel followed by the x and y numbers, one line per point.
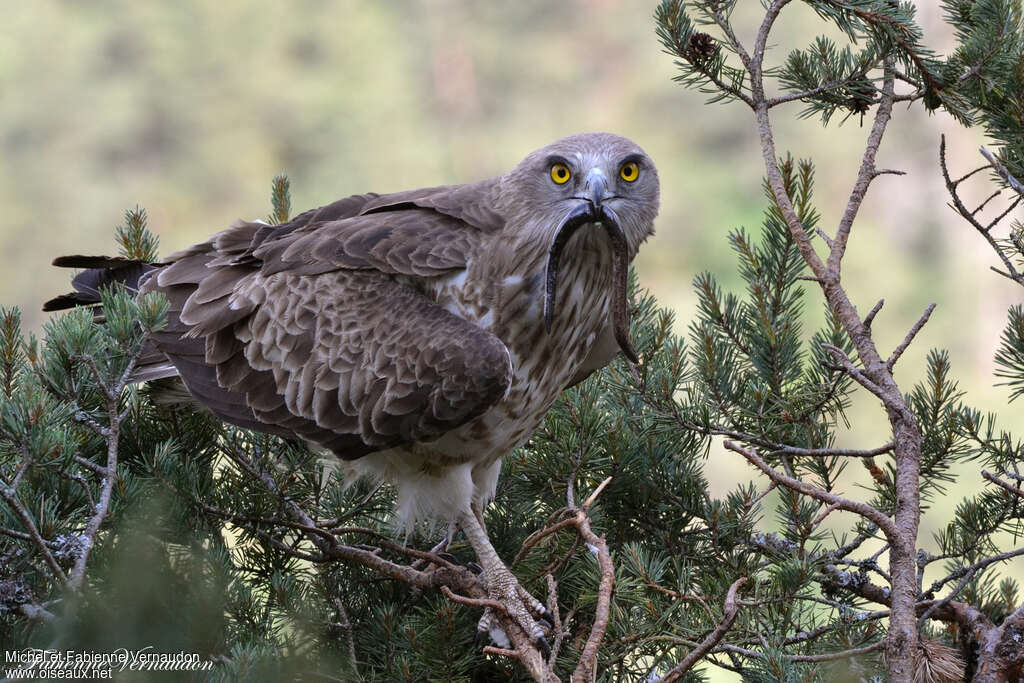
pixel 302 329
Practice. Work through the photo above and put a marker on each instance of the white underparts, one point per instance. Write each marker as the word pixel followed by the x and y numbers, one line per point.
pixel 432 494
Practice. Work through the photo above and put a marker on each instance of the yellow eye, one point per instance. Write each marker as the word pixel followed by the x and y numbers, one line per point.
pixel 560 173
pixel 629 171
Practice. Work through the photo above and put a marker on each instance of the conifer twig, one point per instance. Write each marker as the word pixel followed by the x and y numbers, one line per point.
pixel 984 230
pixel 346 626
pixel 999 482
pixel 729 612
pixel 109 475
pixel 10 495
pixel 474 602
pixel 891 363
pixel 586 669
pixel 873 514
pixel 825 657
pixel 870 317
pixel 867 173
pixel 1002 171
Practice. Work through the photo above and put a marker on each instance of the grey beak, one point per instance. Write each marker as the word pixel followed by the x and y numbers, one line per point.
pixel 595 188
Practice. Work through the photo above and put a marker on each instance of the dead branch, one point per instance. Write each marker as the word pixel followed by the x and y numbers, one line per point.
pixel 1002 171
pixel 729 612
pixel 586 669
pixel 970 216
pixel 1015 490
pixel 889 364
pixel 863 509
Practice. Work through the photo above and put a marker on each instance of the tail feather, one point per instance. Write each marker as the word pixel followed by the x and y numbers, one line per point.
pixel 100 272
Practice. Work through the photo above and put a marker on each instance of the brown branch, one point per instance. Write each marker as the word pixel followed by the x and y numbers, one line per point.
pixel 984 203
pixel 556 627
pixel 857 374
pixel 11 497
pixel 331 548
pixel 84 418
pixel 985 231
pixel 863 509
pixel 90 465
pixel 901 531
pixel 26 461
pixel 502 652
pixel 1000 654
pixel 1002 171
pixel 891 363
pixel 826 657
pixel 537 536
pixel 939 604
pixel 586 669
pixel 36 613
pixel 980 564
pixel 783 99
pixel 836 452
pixel 870 318
pixel 865 176
pixel 1015 490
pixel 346 626
pixel 729 612
pixel 474 602
pixel 597 492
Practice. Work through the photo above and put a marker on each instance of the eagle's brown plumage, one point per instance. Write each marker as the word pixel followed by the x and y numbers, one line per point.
pixel 419 336
pixel 307 328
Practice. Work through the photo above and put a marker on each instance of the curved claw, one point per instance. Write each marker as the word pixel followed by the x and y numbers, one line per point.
pixel 448 557
pixel 541 644
pixel 482 637
pixel 470 565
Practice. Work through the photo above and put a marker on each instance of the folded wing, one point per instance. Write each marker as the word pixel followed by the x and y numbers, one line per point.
pixel 318 328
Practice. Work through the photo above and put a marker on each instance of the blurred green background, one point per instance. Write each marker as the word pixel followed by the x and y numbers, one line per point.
pixel 189 108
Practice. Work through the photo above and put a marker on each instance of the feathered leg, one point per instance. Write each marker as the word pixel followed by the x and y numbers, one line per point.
pixel 503 587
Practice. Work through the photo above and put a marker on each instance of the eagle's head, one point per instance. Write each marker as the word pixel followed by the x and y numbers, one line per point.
pixel 590 178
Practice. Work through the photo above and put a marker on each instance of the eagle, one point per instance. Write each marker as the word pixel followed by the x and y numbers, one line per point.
pixel 419 336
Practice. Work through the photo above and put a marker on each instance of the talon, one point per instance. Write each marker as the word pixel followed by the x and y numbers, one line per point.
pixel 482 638
pixel 546 615
pixel 448 557
pixel 542 644
pixel 474 567
pixel 544 624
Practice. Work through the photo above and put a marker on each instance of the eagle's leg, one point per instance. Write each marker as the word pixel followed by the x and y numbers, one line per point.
pixel 502 585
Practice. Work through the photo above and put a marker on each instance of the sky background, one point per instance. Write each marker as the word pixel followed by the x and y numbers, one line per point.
pixel 189 108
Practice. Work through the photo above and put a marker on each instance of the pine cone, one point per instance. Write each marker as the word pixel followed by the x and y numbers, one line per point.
pixel 702 47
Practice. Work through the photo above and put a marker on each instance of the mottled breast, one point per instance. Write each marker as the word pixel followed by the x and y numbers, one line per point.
pixel 509 303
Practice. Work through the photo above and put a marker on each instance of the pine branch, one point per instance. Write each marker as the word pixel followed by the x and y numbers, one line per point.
pixel 1015 490
pixel 10 496
pixel 874 515
pixel 970 216
pixel 864 176
pixel 729 612
pixel 889 364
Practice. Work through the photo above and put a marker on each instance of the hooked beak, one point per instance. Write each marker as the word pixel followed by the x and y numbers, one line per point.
pixel 595 188
pixel 593 210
